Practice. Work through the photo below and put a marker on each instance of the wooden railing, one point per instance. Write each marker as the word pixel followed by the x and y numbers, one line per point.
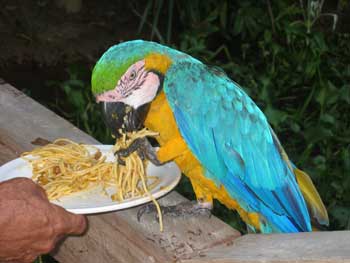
pixel 119 237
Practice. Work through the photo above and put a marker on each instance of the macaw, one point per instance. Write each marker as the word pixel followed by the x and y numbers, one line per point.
pixel 212 129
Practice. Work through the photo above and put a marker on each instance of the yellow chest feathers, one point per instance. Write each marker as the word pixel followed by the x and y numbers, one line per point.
pixel 160 118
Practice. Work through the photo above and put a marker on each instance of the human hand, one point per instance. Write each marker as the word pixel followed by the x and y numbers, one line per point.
pixel 29 224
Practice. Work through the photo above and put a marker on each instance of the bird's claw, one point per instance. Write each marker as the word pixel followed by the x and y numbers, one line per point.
pixel 147 152
pixel 144 150
pixel 120 161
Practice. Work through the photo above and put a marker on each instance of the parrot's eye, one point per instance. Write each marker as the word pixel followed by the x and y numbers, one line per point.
pixel 132 75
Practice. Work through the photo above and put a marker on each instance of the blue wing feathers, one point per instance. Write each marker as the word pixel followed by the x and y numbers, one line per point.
pixel 231 138
pixel 244 194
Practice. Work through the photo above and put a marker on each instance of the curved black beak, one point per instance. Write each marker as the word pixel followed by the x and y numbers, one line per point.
pixel 119 116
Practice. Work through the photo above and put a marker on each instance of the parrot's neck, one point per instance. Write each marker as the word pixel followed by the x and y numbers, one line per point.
pixel 158 62
pixel 160 118
pixel 161 62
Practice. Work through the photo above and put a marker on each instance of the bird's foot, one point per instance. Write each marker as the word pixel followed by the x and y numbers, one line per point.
pixel 186 208
pixel 143 148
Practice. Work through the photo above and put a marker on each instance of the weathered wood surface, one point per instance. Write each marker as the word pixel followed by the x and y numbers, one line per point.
pixel 316 247
pixel 111 237
pixel 118 237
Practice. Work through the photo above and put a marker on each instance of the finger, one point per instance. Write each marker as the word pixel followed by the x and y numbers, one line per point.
pixel 78 224
pixel 69 223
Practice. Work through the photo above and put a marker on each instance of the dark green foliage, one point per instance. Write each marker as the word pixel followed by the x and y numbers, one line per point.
pixel 291 60
pixel 79 104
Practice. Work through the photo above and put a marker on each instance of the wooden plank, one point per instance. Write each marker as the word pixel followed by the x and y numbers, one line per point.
pixel 316 247
pixel 9 149
pixel 111 237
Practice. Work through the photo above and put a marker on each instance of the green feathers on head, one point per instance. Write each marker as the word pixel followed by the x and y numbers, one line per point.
pixel 117 59
pixel 106 74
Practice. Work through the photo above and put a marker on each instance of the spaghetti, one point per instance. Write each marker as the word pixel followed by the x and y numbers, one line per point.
pixel 65 167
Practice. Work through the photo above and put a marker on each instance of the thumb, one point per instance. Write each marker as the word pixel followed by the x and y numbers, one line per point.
pixel 70 223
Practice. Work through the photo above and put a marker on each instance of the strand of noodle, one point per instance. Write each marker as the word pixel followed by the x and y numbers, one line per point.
pixel 134 184
pixel 154 183
pixel 120 189
pixel 160 217
pixel 133 172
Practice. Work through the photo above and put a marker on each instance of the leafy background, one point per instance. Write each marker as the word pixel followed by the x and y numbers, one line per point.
pixel 291 57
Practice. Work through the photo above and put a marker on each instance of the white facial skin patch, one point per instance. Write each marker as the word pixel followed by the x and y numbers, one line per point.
pixel 136 87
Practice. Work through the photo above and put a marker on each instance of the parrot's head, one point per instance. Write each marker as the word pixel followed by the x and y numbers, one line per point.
pixel 126 79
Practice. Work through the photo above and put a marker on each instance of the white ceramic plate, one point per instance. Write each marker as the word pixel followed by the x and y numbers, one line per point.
pixel 93 201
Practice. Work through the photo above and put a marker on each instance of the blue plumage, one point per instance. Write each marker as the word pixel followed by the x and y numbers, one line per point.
pixel 233 141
